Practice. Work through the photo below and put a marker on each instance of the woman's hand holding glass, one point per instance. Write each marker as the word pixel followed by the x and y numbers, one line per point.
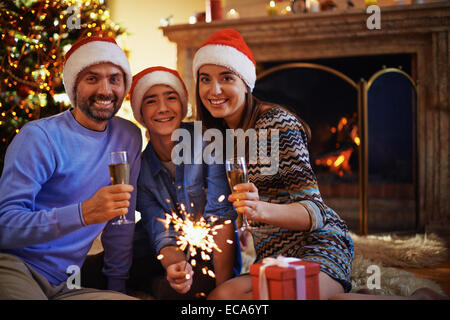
pixel 245 199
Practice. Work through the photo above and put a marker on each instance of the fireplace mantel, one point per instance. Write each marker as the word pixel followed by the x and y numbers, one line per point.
pixel 422 30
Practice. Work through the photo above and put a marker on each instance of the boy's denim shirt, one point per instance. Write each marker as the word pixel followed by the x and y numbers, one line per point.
pixel 195 186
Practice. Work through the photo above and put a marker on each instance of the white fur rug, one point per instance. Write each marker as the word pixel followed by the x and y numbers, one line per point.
pixel 392 281
pixel 389 251
pixel 383 253
pixel 418 251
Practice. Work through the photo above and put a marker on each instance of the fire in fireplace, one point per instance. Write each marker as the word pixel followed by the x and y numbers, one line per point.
pixel 345 141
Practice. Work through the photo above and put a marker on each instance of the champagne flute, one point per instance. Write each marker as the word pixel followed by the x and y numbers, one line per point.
pixel 236 174
pixel 119 171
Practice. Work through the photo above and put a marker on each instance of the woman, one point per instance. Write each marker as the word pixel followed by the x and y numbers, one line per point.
pixel 286 207
pixel 159 102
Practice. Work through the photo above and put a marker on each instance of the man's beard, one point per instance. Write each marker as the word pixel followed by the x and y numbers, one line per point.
pixel 88 108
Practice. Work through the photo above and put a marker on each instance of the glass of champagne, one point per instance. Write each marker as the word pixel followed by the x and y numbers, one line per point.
pixel 119 171
pixel 237 173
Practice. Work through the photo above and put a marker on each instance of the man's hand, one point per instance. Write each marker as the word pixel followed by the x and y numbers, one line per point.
pixel 107 203
pixel 180 276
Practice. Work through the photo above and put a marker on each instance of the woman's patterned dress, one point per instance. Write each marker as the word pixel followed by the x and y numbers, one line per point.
pixel 328 241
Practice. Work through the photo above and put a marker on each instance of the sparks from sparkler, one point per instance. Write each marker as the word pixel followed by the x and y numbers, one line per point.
pixel 197 235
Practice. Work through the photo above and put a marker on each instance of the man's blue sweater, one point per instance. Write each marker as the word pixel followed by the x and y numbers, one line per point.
pixel 51 167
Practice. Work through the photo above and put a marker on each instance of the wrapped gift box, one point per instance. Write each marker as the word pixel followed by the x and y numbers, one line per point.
pixel 282 281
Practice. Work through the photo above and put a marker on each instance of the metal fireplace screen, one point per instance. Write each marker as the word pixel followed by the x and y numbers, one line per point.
pixel 363 144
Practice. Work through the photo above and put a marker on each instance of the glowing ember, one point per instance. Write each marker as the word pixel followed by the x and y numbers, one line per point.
pixel 337 163
pixel 342 123
pixel 160 257
pixel 339 160
pixel 221 198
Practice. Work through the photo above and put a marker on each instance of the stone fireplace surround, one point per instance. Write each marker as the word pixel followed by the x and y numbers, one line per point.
pixel 420 30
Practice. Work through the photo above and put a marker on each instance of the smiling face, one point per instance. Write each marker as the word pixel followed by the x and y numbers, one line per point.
pixel 161 110
pixel 223 93
pixel 100 91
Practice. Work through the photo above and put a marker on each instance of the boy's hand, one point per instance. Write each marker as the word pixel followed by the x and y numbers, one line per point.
pixel 180 276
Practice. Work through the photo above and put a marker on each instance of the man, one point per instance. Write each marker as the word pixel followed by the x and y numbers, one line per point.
pixel 55 192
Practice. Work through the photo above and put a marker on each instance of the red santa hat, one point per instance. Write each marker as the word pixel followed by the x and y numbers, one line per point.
pixel 88 52
pixel 150 77
pixel 227 48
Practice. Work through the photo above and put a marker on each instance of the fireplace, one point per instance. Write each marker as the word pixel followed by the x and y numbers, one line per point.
pixel 415 37
pixel 321 92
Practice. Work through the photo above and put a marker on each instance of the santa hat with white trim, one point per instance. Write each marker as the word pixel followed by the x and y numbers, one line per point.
pixel 90 51
pixel 150 77
pixel 227 48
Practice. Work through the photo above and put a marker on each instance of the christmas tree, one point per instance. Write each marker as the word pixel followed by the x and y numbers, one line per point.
pixel 35 35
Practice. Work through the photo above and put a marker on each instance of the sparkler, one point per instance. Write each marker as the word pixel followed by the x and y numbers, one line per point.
pixel 195 234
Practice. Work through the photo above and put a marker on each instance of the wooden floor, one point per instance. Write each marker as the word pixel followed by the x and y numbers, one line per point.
pixel 439 274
